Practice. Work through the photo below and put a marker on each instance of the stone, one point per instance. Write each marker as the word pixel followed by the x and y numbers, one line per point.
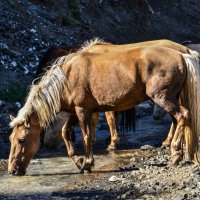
pixel 18 105
pixel 124 196
pixel 179 198
pixel 113 179
pixel 147 147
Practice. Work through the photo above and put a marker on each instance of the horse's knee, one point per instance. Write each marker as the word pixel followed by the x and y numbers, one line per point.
pixel 183 116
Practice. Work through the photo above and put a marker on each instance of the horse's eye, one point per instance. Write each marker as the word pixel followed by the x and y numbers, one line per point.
pixel 21 141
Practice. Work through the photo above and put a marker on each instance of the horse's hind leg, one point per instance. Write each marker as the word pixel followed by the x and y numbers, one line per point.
pixel 67 135
pixel 170 135
pixel 110 117
pixel 181 115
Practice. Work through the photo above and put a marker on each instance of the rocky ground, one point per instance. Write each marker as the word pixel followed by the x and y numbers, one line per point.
pixel 29 27
pixel 146 177
pixel 140 172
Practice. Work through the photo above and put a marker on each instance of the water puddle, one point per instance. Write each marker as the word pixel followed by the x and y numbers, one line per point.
pixel 56 172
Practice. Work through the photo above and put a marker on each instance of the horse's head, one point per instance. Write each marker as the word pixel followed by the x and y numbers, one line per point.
pixel 25 141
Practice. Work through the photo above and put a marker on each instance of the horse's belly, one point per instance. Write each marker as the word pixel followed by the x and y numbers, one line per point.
pixel 122 99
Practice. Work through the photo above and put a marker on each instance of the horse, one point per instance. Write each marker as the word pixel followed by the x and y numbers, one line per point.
pixel 52 136
pixel 128 117
pixel 85 82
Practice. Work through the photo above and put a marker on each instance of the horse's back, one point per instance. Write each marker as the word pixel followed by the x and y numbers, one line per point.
pixel 108 48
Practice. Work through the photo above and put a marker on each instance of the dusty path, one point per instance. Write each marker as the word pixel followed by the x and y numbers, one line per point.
pixel 134 173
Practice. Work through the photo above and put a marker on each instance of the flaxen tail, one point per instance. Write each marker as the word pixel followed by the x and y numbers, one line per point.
pixel 190 98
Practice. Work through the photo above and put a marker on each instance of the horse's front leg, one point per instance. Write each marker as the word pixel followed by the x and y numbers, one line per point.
pixel 85 120
pixel 67 135
pixel 110 117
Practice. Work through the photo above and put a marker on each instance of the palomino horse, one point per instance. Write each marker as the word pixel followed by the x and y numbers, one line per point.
pixel 84 83
pixel 101 47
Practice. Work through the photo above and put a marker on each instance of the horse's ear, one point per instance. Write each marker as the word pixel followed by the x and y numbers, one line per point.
pixel 26 124
pixel 11 118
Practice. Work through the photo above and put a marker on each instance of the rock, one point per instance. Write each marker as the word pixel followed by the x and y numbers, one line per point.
pixel 135 173
pixel 155 183
pixel 13 63
pixel 18 105
pixel 147 147
pixel 123 196
pixel 179 198
pixel 182 186
pixel 184 193
pixel 4 119
pixel 2 103
pixel 33 30
pixel 113 179
pixel 3 46
pixel 125 181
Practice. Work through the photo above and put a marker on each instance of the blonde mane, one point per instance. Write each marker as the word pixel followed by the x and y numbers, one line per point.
pixel 88 44
pixel 45 98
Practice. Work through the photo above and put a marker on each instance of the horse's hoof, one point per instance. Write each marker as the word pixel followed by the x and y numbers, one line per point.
pixel 187 161
pixel 166 144
pixel 87 168
pixel 176 158
pixel 187 158
pixel 79 162
pixel 111 148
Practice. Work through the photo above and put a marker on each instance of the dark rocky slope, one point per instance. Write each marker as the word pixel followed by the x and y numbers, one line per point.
pixel 29 27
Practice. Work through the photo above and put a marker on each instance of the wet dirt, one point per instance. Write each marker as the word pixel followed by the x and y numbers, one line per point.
pixel 52 172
